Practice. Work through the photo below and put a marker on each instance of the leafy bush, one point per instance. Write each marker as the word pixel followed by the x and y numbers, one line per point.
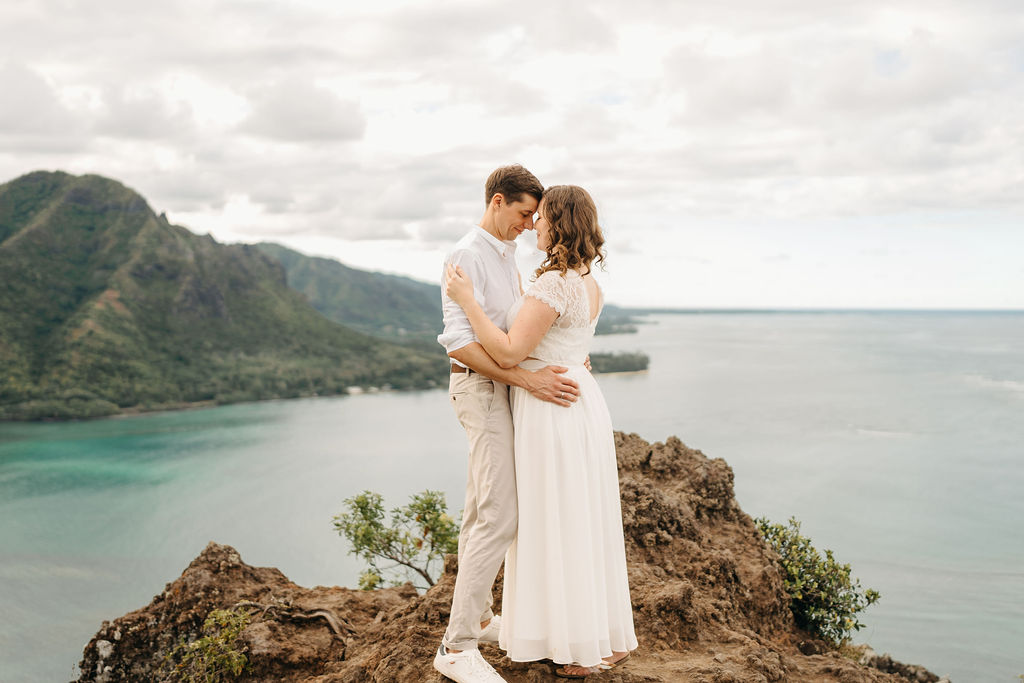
pixel 824 599
pixel 420 535
pixel 213 657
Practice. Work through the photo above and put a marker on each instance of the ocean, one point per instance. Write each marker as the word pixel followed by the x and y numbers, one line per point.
pixel 897 440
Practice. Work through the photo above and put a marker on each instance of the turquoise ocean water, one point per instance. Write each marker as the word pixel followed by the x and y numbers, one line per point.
pixel 896 438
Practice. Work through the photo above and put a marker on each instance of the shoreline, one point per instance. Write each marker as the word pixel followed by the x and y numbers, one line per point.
pixel 352 391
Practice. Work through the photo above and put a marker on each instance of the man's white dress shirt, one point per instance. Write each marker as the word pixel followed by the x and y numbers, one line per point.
pixel 491 264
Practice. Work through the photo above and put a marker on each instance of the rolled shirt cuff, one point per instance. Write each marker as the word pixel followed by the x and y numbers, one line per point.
pixel 454 342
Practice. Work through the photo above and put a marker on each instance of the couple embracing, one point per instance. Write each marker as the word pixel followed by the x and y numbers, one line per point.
pixel 542 490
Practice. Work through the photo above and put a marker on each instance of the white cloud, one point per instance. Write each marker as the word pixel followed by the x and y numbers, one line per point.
pixel 144 114
pixel 369 130
pixel 32 117
pixel 301 112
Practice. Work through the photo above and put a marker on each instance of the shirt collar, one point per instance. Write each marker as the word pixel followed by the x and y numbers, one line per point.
pixel 502 247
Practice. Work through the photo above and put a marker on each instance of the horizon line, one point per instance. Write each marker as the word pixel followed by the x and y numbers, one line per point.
pixel 640 310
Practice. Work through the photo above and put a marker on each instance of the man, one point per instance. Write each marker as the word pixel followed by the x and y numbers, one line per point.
pixel 478 390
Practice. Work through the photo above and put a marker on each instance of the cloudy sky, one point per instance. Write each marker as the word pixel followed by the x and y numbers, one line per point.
pixel 744 153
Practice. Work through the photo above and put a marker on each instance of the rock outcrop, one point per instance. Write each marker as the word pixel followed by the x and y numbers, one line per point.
pixel 707 592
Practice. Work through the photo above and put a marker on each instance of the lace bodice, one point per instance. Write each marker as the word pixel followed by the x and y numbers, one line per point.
pixel 568 340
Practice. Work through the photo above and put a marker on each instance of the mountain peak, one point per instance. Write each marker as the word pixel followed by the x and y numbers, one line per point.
pixel 45 198
pixel 106 306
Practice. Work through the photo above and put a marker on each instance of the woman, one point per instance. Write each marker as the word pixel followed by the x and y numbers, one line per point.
pixel 566 594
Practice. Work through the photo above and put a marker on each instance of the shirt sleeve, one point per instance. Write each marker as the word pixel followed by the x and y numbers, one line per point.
pixel 457 330
pixel 550 288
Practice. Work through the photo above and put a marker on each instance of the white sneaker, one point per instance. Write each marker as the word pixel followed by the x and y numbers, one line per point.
pixel 468 666
pixel 493 630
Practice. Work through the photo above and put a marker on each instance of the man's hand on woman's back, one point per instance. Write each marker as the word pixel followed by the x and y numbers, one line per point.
pixel 550 384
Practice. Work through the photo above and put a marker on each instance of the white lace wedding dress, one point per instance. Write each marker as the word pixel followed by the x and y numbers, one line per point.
pixel 566 594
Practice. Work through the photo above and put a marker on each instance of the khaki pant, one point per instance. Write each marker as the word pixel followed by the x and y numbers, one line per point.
pixel 490 517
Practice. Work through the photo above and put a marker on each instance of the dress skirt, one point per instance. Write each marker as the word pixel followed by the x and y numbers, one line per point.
pixel 566 593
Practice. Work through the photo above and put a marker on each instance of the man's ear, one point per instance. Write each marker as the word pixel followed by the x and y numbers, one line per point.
pixel 497 200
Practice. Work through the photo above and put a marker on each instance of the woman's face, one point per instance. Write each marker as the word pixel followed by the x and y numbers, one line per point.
pixel 543 229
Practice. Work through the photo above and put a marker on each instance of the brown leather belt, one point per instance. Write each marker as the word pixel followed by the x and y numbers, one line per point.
pixel 459 369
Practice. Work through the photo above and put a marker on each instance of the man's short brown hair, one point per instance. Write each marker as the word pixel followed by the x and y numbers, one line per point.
pixel 513 182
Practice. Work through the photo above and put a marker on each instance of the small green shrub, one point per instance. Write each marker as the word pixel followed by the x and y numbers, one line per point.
pixel 824 599
pixel 420 535
pixel 370 579
pixel 213 658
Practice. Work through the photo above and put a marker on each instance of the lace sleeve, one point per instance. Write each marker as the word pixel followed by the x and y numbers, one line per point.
pixel 550 288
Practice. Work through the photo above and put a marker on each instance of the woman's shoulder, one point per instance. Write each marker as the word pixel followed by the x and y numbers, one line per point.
pixel 552 275
pixel 549 287
pixel 548 280
pixel 554 280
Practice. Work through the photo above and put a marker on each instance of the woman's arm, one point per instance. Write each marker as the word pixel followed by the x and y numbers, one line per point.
pixel 530 326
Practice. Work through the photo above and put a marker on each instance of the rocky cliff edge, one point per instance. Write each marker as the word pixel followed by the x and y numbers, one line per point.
pixel 708 602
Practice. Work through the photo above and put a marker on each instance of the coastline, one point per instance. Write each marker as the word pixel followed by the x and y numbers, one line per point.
pixel 177 406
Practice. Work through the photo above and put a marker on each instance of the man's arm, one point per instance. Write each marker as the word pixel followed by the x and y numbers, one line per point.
pixel 457 330
pixel 547 384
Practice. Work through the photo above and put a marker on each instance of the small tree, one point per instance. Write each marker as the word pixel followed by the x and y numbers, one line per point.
pixel 420 535
pixel 214 657
pixel 824 600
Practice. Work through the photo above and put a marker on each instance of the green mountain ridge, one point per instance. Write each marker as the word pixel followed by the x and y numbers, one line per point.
pixel 399 308
pixel 379 304
pixel 106 307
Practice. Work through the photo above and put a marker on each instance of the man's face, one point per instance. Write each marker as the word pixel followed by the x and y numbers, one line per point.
pixel 512 218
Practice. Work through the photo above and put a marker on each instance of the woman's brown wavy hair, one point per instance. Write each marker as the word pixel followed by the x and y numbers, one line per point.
pixel 576 238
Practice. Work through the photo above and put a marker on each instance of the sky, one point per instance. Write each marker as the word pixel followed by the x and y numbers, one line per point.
pixel 742 153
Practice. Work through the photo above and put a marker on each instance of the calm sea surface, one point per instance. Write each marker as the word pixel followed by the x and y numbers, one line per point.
pixel 897 440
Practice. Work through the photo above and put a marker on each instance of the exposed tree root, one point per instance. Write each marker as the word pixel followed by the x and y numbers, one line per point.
pixel 339 626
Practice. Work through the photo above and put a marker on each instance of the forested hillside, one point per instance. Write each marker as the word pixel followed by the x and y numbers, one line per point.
pixel 105 306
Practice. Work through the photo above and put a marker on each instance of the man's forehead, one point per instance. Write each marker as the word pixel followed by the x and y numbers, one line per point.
pixel 525 202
